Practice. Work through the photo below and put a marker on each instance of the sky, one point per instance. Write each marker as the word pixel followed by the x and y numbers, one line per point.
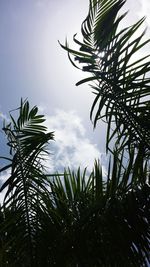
pixel 34 66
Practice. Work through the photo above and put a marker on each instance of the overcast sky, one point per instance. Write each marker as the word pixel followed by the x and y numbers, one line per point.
pixel 34 66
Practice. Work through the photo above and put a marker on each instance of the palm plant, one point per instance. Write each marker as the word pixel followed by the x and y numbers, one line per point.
pixel 25 186
pixel 71 219
pixel 121 87
pixel 110 53
pixel 93 221
pixel 77 219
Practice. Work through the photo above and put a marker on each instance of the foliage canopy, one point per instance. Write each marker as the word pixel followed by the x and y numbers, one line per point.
pixel 77 219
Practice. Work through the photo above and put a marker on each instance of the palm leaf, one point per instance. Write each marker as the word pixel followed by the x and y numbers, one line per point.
pixel 71 219
pixel 26 183
pixel 121 81
pixel 86 212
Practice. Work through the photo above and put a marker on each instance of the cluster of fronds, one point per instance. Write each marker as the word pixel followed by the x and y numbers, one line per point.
pixel 77 219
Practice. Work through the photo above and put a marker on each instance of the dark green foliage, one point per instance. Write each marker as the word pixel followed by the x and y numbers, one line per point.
pixel 121 77
pixel 77 219
pixel 90 229
pixel 26 183
pixel 81 219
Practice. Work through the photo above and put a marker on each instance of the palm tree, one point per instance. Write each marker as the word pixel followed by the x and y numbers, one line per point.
pixel 92 221
pixel 121 78
pixel 25 186
pixel 77 219
pixel 120 82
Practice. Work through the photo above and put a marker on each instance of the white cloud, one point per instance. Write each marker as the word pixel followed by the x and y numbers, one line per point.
pixel 71 147
pixel 145 10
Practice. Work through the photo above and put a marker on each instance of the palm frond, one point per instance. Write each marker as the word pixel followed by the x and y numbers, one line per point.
pixel 27 138
pixel 86 212
pixel 72 219
pixel 122 81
